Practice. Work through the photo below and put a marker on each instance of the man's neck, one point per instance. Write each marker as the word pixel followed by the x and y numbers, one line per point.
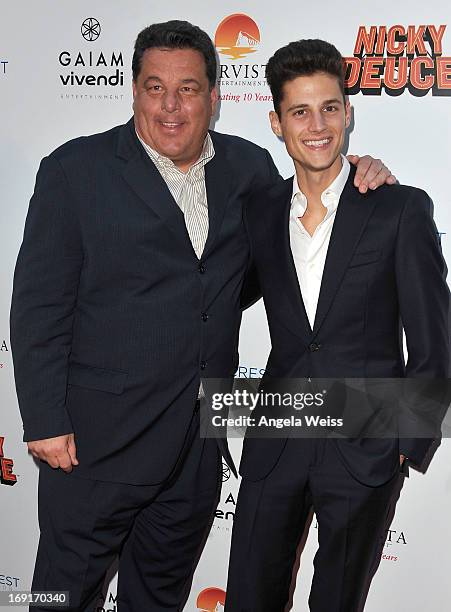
pixel 313 183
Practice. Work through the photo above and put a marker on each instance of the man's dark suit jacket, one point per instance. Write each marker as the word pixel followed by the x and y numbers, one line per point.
pixel 114 319
pixel 384 271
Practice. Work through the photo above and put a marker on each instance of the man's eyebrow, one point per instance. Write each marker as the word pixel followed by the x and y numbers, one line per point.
pixel 152 78
pixel 185 81
pixel 324 103
pixel 297 106
pixel 191 80
pixel 333 101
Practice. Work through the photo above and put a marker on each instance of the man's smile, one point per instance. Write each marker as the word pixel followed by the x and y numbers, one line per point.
pixel 317 144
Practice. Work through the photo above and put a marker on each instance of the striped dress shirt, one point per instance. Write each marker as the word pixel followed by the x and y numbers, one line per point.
pixel 188 190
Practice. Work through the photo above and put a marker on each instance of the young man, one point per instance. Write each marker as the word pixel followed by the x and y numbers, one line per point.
pixel 338 271
pixel 126 291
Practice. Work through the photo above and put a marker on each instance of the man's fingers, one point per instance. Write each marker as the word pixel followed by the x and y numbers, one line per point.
pixel 367 172
pixel 363 166
pixel 384 176
pixel 58 452
pixel 64 462
pixel 380 178
pixel 371 173
pixel 72 450
pixel 391 180
pixel 52 461
pixel 61 460
pixel 353 159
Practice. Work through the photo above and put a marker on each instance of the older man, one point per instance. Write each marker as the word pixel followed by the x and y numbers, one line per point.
pixel 127 290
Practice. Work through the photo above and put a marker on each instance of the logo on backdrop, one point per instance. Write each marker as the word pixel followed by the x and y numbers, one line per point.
pixel 211 600
pixel 107 603
pixel 394 545
pixel 7 476
pixel 90 73
pixel 7 582
pixel 225 472
pixel 237 37
pixel 225 514
pixel 3 66
pixel 249 372
pixel 3 350
pixel 396 58
pixel 90 29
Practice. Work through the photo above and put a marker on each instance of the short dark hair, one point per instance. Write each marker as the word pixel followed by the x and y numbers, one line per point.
pixel 303 58
pixel 175 35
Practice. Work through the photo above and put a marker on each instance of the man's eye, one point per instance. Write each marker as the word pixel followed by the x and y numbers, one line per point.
pixel 330 108
pixel 299 112
pixel 154 88
pixel 187 89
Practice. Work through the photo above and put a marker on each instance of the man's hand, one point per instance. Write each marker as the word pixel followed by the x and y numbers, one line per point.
pixel 59 452
pixel 371 173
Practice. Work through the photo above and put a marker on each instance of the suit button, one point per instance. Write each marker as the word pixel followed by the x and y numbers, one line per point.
pixel 313 347
pixel 201 268
pixel 203 365
pixel 204 317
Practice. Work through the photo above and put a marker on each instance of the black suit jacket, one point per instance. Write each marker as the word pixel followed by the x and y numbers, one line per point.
pixel 114 319
pixel 384 271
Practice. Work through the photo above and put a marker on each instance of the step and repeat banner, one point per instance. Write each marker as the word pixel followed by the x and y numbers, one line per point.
pixel 65 70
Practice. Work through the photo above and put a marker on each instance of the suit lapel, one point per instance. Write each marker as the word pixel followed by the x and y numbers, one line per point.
pixel 352 215
pixel 217 182
pixel 278 228
pixel 143 177
pixel 145 180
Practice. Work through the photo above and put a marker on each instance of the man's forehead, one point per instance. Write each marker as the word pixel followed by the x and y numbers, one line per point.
pixel 315 80
pixel 183 55
pixel 168 62
pixel 310 86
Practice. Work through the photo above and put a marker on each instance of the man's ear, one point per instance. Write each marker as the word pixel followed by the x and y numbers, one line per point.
pixel 134 91
pixel 275 123
pixel 347 113
pixel 213 99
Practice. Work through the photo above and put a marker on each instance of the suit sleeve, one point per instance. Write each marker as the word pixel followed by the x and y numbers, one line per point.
pixel 273 174
pixel 42 311
pixel 251 291
pixel 424 306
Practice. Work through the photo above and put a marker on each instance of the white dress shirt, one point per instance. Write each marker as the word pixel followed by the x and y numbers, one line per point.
pixel 309 252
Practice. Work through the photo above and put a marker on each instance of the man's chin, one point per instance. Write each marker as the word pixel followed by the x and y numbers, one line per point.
pixel 319 166
pixel 171 150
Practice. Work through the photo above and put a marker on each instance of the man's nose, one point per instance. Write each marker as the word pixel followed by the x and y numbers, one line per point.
pixel 317 122
pixel 171 101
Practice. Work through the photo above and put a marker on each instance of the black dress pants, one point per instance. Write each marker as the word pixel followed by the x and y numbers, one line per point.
pixel 158 531
pixel 270 519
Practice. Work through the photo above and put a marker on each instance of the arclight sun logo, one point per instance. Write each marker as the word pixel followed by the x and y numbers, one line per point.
pixel 211 600
pixel 236 36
